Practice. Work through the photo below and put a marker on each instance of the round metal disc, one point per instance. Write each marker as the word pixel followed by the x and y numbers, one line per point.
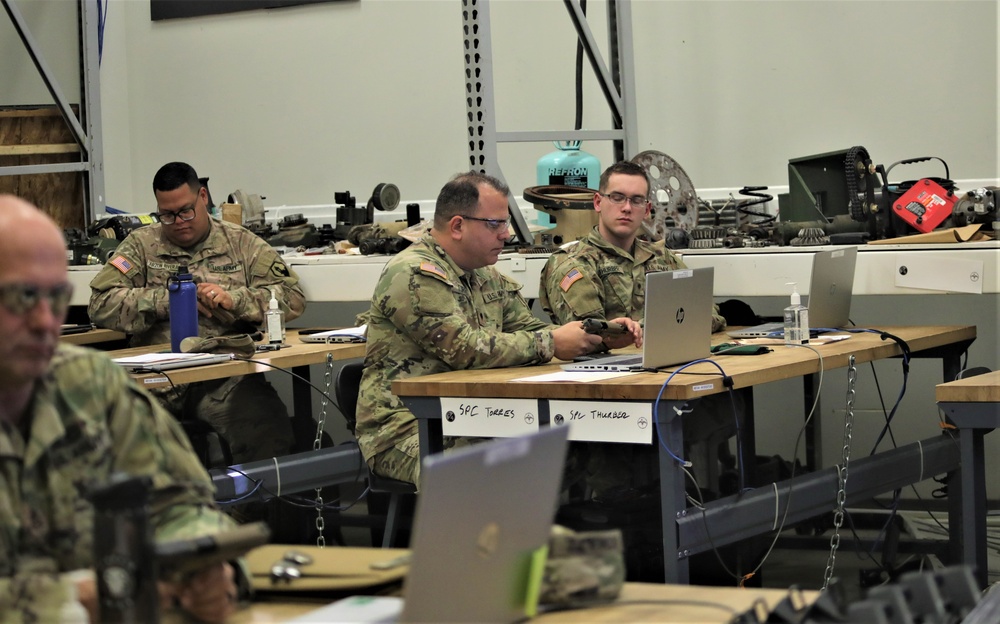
pixel 671 192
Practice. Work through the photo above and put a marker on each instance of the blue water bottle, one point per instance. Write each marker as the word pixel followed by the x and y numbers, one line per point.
pixel 183 307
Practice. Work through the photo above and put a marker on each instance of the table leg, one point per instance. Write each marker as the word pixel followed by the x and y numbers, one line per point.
pixel 972 496
pixel 673 503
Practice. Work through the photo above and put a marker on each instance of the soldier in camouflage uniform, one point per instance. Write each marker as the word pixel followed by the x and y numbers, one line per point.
pixel 236 272
pixel 439 306
pixel 70 418
pixel 603 276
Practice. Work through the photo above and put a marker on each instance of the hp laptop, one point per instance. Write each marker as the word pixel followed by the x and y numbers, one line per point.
pixel 830 287
pixel 482 514
pixel 678 327
pixel 349 334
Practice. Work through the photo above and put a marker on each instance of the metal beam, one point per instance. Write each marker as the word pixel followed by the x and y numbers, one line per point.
pixel 483 136
pixel 87 134
pixel 760 511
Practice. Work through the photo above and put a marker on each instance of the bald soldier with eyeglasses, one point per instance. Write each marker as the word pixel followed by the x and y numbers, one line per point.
pixel 441 306
pixel 71 418
pixel 235 272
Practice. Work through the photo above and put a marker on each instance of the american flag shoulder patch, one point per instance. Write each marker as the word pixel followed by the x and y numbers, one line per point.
pixel 121 263
pixel 570 279
pixel 430 267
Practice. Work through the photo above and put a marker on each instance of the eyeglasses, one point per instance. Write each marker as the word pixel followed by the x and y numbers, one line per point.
pixel 637 201
pixel 185 214
pixel 492 224
pixel 22 298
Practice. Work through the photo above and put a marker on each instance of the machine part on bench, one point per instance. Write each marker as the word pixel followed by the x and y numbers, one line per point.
pixel 671 192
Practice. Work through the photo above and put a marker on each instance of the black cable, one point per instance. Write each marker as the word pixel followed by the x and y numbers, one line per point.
pixel 295 375
pixel 579 73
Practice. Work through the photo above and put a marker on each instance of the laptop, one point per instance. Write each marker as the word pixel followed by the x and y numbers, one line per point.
pixel 831 284
pixel 349 334
pixel 159 362
pixel 678 326
pixel 482 514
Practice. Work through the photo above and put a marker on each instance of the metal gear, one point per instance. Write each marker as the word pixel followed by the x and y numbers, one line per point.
pixel 671 192
pixel 860 184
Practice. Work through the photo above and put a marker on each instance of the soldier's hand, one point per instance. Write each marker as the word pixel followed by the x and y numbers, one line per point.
pixel 210 594
pixel 631 337
pixel 212 297
pixel 572 341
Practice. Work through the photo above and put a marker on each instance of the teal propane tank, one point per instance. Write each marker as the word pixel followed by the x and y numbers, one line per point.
pixel 568 166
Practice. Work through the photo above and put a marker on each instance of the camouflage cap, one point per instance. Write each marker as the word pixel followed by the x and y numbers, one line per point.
pixel 583 568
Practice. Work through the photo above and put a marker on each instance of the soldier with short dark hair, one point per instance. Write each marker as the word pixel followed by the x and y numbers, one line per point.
pixel 71 418
pixel 440 306
pixel 604 275
pixel 236 271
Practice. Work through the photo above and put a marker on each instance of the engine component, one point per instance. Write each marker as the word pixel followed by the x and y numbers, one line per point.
pixel 570 208
pixel 253 210
pixel 861 183
pixel 976 206
pixel 675 203
pixel 810 236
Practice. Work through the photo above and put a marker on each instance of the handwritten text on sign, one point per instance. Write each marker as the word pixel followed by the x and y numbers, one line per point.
pixel 488 418
pixel 604 421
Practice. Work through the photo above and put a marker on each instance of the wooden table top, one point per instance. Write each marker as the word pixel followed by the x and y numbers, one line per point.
pixel 94 336
pixel 782 363
pixel 638 602
pixel 979 389
pixel 297 353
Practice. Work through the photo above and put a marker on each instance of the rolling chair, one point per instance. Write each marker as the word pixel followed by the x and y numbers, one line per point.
pixel 346 389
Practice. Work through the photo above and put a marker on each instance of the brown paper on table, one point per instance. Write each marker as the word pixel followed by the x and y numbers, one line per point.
pixel 966 234
pixel 334 568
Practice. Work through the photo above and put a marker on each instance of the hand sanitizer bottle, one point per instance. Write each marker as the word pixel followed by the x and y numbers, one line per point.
pixel 796 319
pixel 275 322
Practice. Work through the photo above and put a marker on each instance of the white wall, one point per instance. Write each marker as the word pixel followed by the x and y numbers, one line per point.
pixel 298 103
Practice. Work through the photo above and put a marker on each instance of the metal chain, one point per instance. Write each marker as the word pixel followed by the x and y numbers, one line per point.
pixel 838 513
pixel 318 444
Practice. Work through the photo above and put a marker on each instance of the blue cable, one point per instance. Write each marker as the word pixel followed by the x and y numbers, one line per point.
pixel 656 410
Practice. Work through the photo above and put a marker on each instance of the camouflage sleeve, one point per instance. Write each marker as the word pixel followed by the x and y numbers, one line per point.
pixel 268 272
pixel 29 597
pixel 572 290
pixel 718 321
pixel 424 307
pixel 517 314
pixel 119 298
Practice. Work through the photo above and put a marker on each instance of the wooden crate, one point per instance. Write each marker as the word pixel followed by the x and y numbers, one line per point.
pixel 38 135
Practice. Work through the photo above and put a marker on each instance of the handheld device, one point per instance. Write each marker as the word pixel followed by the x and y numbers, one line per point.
pixel 604 328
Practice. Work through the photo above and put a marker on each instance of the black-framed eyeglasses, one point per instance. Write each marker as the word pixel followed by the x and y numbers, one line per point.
pixel 185 214
pixel 492 224
pixel 22 298
pixel 637 201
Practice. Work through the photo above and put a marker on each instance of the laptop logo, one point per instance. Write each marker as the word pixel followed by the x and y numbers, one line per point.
pixel 679 315
pixel 489 538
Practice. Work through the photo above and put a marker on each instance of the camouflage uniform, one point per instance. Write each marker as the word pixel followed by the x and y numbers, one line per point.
pixel 430 316
pixel 87 421
pixel 595 279
pixel 130 295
